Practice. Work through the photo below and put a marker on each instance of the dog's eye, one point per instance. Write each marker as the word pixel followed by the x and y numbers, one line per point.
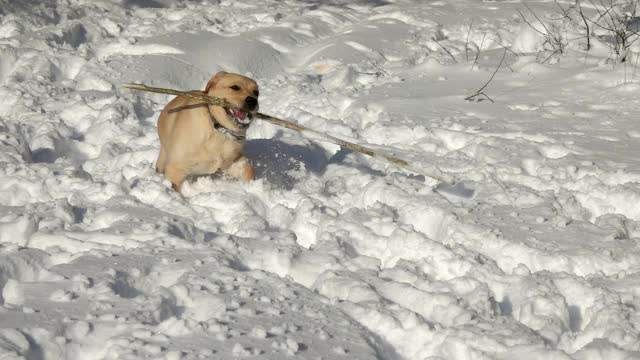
pixel 235 87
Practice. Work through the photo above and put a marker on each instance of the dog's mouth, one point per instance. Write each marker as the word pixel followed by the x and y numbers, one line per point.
pixel 241 118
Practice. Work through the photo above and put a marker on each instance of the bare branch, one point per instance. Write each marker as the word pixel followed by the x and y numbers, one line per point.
pixel 586 25
pixel 445 49
pixel 552 38
pixel 466 44
pixel 537 18
pixel 528 23
pixel 481 90
pixel 475 61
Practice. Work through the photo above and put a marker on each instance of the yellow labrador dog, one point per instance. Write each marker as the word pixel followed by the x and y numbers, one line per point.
pixel 198 139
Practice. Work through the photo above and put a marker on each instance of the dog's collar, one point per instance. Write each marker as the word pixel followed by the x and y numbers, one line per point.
pixel 223 130
pixel 226 132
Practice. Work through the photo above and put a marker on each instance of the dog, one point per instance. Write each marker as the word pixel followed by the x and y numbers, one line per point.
pixel 200 139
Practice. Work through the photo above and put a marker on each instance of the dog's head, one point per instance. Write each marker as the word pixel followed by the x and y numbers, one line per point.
pixel 241 92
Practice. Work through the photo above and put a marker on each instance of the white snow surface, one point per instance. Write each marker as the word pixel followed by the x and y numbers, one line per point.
pixel 328 254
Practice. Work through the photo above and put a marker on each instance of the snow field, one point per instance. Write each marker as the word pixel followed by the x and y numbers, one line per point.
pixel 329 254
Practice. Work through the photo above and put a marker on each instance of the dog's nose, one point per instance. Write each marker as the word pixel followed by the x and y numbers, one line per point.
pixel 250 102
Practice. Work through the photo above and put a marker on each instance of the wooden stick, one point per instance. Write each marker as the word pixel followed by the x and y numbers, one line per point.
pixel 432 171
pixel 195 94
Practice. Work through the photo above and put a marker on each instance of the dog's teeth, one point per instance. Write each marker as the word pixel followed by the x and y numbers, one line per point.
pixel 240 117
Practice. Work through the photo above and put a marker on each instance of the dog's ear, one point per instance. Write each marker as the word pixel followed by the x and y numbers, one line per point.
pixel 214 80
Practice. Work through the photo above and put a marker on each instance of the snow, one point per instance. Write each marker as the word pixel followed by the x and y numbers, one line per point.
pixel 329 254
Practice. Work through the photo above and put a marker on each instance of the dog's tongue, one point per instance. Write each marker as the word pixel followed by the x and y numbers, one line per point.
pixel 239 114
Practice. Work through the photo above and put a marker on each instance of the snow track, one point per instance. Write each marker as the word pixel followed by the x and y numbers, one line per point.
pixel 329 253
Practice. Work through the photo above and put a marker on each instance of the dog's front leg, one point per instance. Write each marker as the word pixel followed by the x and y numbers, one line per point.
pixel 242 169
pixel 176 175
pixel 162 160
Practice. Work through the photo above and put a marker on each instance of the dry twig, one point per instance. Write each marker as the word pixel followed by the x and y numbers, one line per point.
pixel 466 44
pixel 475 61
pixel 552 37
pixel 481 90
pixel 617 24
pixel 445 49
